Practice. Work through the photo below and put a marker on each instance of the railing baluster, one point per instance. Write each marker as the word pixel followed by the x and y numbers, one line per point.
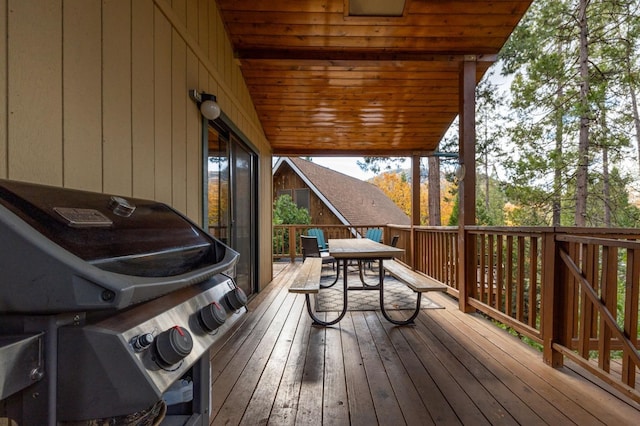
pixel 520 279
pixel 631 296
pixel 533 282
pixel 491 271
pixel 609 288
pixel 500 274
pixel 509 278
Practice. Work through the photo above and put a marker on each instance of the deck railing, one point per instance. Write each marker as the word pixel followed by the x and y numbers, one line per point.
pixel 573 291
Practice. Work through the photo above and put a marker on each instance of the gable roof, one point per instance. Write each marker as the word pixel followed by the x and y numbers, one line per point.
pixel 352 200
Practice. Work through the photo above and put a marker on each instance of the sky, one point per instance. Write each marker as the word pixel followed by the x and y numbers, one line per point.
pixel 345 165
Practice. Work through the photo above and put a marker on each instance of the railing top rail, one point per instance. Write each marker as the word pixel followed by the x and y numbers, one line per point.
pixel 609 242
pixel 314 225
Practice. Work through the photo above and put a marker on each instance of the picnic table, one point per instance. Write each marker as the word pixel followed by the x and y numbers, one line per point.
pixel 362 250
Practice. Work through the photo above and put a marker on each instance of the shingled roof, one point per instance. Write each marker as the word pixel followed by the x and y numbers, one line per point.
pixel 354 201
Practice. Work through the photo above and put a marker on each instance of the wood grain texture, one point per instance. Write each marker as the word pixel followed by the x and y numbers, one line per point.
pixel 449 368
pixel 415 281
pixel 348 85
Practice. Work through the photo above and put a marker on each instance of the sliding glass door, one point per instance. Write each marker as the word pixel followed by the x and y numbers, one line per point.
pixel 232 200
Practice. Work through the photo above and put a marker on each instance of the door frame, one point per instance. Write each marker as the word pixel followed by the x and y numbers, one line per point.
pixel 226 128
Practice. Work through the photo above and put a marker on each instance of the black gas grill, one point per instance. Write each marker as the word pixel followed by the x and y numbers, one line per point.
pixel 106 303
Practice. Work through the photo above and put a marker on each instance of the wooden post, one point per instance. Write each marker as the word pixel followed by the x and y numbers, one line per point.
pixel 467 182
pixel 293 242
pixel 553 301
pixel 415 204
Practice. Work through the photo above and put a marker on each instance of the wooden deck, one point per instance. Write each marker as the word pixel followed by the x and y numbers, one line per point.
pixel 450 368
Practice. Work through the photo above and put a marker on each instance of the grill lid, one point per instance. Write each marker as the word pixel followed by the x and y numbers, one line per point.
pixel 66 249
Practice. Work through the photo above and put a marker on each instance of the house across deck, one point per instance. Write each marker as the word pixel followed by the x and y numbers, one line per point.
pixel 450 368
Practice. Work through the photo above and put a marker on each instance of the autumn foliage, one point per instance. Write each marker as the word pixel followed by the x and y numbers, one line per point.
pixel 397 187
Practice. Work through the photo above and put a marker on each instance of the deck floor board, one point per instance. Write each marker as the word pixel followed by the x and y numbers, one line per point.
pixel 450 368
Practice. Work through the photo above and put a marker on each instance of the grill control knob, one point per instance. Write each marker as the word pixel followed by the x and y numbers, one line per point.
pixel 236 298
pixel 212 316
pixel 173 345
pixel 142 342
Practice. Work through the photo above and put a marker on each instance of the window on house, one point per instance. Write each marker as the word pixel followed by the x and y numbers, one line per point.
pixel 302 199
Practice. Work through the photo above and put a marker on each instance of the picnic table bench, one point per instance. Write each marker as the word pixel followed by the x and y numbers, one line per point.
pixel 415 281
pixel 412 279
pixel 307 282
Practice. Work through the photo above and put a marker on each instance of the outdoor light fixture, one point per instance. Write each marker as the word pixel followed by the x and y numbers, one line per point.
pixel 209 108
pixel 460 171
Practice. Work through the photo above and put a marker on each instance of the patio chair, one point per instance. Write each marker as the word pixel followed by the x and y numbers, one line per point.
pixel 394 240
pixel 319 234
pixel 310 249
pixel 374 234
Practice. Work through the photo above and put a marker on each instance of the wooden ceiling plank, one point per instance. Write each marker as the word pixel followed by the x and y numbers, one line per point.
pixel 324 82
pixel 498 16
pixel 439 28
pixel 433 44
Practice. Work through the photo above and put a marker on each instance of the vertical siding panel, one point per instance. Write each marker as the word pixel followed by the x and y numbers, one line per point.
pixel 178 111
pixel 82 97
pixel 3 89
pixel 220 44
pixel 192 18
pixel 35 73
pixel 142 99
pixel 162 89
pixel 178 130
pixel 194 146
pixel 180 9
pixel 203 25
pixel 117 165
pixel 194 132
pixel 213 36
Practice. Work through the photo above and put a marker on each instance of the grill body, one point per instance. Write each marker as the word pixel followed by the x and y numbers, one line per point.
pixel 106 303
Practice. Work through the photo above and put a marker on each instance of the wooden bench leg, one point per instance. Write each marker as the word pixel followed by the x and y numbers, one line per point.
pixel 409 320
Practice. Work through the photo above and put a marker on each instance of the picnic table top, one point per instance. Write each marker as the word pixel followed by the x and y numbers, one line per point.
pixel 361 248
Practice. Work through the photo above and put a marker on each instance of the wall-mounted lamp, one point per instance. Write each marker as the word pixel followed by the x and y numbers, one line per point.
pixel 460 171
pixel 207 103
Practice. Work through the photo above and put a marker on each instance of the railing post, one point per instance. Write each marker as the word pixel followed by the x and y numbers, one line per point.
pixel 292 243
pixel 553 301
pixel 411 260
pixel 467 276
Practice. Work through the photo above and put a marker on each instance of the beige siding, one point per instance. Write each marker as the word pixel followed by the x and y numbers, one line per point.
pixel 82 87
pixel 116 96
pixel 162 90
pixel 179 99
pixel 97 99
pixel 3 89
pixel 34 72
pixel 142 99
